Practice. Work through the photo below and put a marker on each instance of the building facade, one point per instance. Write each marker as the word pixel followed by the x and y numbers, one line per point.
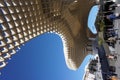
pixel 22 20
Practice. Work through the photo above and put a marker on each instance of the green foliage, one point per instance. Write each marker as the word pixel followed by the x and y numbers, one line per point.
pixel 101 25
pixel 100 41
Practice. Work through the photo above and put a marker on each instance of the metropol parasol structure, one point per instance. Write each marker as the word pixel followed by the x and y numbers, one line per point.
pixel 23 20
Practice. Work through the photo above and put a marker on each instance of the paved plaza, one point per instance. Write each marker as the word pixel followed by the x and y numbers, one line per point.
pixel 117 46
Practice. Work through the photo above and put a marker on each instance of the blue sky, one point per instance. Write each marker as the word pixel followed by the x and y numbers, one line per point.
pixel 92 18
pixel 41 58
